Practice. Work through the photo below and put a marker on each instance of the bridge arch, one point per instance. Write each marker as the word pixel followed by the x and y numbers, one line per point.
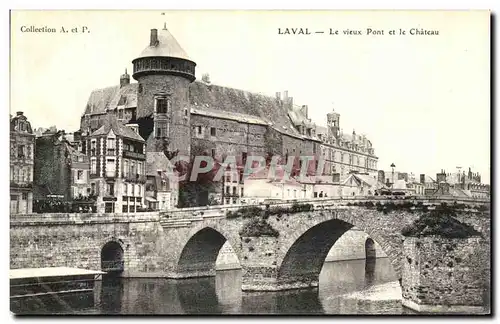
pixel 112 256
pixel 304 247
pixel 199 254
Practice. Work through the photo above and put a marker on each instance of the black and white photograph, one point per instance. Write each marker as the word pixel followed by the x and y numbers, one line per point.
pixel 250 162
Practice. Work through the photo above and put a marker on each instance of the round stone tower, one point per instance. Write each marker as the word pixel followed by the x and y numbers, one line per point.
pixel 164 72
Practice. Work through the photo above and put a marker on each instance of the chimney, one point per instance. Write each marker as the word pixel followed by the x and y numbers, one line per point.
pixel 306 110
pixel 205 78
pixel 422 178
pixel 154 37
pixel 441 177
pixel 19 113
pixel 124 79
pixel 278 95
pixel 285 95
pixel 403 176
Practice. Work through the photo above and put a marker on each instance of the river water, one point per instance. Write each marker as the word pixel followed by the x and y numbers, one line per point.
pixel 345 287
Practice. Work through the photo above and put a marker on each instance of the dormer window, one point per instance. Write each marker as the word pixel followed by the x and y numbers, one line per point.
pixel 162 105
pixel 309 132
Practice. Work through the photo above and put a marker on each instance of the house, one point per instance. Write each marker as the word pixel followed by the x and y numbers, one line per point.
pixel 162 190
pixel 117 167
pixel 268 184
pixel 22 146
pixel 361 184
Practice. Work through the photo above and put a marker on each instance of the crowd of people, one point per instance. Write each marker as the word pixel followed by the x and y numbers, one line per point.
pixel 60 206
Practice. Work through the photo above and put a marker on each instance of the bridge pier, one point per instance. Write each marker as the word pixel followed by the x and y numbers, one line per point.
pixel 442 275
pixel 260 270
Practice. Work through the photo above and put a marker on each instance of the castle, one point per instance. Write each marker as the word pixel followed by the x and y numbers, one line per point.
pixel 171 111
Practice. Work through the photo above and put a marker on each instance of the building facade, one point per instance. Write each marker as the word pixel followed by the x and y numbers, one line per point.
pixel 175 113
pixel 80 174
pixel 22 151
pixel 52 172
pixel 117 167
pixel 162 191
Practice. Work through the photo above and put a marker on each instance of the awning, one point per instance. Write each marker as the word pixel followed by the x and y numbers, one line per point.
pixel 151 199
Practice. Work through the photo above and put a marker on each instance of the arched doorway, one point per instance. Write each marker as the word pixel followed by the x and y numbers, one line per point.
pixel 112 258
pixel 370 252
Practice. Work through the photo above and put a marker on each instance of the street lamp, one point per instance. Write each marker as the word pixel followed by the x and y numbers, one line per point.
pixel 392 166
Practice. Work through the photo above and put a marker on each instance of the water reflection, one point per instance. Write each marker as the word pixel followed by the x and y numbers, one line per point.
pixel 198 296
pixel 370 272
pixel 222 294
pixel 282 302
pixel 111 295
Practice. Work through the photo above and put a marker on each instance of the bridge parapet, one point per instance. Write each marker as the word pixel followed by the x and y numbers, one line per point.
pixel 220 211
pixel 81 218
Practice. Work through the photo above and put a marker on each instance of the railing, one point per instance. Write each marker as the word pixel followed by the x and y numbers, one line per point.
pixel 134 177
pixel 113 265
pixel 27 185
pixel 134 155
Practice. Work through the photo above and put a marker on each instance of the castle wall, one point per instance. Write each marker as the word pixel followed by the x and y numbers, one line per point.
pixel 230 137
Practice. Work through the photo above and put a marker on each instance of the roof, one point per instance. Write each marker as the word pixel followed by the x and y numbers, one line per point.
pixel 457 192
pixel 429 179
pixel 155 161
pixel 321 130
pixel 225 99
pixel 369 180
pixel 399 185
pixel 274 176
pixel 167 46
pixel 49 272
pixel 112 98
pixel 14 124
pixel 245 118
pixel 111 123
pixel 298 116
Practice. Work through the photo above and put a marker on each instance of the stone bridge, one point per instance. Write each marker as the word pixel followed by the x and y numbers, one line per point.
pixel 185 243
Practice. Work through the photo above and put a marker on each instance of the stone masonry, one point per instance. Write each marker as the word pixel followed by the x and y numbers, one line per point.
pixel 186 243
pixel 445 275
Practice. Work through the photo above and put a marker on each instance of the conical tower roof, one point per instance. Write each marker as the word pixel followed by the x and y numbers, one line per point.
pixel 166 45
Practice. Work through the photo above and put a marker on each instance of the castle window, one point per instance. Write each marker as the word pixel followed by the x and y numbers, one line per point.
pixel 161 130
pixel 185 112
pixel 198 130
pixel 212 131
pixel 20 151
pixel 162 105
pixel 140 87
pixel 213 153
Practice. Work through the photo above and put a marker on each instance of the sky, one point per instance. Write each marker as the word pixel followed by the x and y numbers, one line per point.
pixel 423 101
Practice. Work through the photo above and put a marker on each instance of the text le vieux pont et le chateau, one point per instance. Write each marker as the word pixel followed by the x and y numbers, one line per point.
pixel 359 32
